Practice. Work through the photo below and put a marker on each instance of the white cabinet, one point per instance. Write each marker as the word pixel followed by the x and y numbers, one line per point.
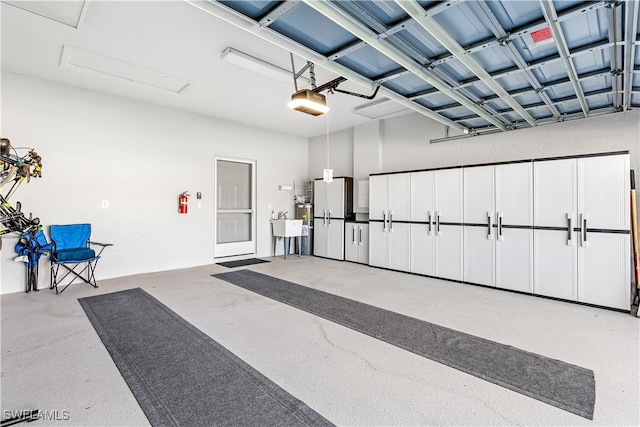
pixel 332 206
pixel 389 228
pixel 581 235
pixel 357 242
pixel 436 223
pixel 498 220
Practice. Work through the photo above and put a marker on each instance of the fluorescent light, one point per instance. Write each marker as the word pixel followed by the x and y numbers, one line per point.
pixel 114 69
pixel 258 65
pixel 309 102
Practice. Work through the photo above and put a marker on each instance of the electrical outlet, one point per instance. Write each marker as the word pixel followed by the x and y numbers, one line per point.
pixel 105 204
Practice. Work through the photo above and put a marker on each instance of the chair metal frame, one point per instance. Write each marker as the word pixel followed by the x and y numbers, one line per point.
pixel 58 277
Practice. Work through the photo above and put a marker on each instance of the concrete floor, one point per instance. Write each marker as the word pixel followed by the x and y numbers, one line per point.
pixel 53 360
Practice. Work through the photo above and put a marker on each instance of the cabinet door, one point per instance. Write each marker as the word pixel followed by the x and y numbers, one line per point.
pixel 448 194
pixel 555 264
pixel 400 196
pixel 448 252
pixel 603 191
pixel 351 244
pixel 363 243
pixel 479 256
pixel 335 240
pixel 378 251
pixel 399 242
pixel 378 193
pixel 335 198
pixel 319 198
pixel 422 191
pixel 422 250
pixel 555 192
pixel 603 270
pixel 479 199
pixel 514 260
pixel 514 193
pixel 320 239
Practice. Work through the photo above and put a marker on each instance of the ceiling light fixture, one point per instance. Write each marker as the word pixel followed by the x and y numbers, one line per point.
pixel 309 102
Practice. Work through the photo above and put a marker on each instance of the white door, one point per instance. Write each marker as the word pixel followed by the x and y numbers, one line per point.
pixel 603 273
pixel 479 229
pixel 555 264
pixel 335 239
pixel 378 250
pixel 235 207
pixel 378 196
pixel 422 250
pixel 514 260
pixel 448 188
pixel 320 237
pixel 422 200
pixel 363 243
pixel 400 196
pixel 351 242
pixel 555 259
pixel 335 198
pixel 399 242
pixel 514 193
pixel 319 198
pixel 448 252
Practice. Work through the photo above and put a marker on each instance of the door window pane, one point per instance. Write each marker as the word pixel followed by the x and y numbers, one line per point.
pixel 233 227
pixel 234 185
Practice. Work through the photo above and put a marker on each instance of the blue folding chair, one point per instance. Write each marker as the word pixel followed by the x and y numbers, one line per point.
pixel 70 251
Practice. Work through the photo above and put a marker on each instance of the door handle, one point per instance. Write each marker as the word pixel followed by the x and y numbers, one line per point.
pixel 489 225
pixel 390 221
pixel 360 236
pixel 324 218
pixel 329 217
pixel 583 230
pixel 384 220
pixel 353 237
pixel 500 215
pixel 429 231
pixel 569 230
pixel 437 223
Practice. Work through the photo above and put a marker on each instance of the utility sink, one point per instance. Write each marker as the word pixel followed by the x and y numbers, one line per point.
pixel 287 227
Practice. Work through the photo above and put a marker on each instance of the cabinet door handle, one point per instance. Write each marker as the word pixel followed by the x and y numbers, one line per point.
pixel 384 220
pixel 500 237
pixel 353 237
pixel 360 236
pixel 583 230
pixel 429 222
pixel 437 223
pixel 329 217
pixel 390 221
pixel 569 230
pixel 489 225
pixel 324 218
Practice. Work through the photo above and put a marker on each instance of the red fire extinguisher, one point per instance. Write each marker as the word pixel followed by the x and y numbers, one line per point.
pixel 183 205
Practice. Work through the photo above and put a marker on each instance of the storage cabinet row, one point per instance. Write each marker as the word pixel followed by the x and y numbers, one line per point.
pixel 553 227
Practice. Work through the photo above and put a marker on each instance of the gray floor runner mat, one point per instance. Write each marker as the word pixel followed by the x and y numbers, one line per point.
pixel 557 383
pixel 182 377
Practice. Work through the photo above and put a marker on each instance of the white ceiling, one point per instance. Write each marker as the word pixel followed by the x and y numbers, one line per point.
pixel 173 38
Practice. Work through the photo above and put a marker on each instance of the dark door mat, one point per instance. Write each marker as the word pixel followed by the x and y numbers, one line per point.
pixel 242 262
pixel 182 377
pixel 557 383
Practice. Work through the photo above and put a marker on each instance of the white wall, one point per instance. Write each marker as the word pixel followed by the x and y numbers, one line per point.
pixel 402 143
pixel 139 157
pixel 339 153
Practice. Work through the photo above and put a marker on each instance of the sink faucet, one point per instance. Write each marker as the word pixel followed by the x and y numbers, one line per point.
pixel 282 215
